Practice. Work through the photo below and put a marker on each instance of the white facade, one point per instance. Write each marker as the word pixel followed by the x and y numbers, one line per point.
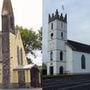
pixel 77 62
pixel 73 65
pixel 70 61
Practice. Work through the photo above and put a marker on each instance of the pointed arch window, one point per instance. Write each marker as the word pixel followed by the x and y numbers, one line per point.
pixel 18 55
pixel 51 55
pixel 83 62
pixel 61 70
pixel 21 55
pixel 61 55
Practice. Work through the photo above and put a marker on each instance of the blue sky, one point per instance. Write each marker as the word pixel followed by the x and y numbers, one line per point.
pixel 78 20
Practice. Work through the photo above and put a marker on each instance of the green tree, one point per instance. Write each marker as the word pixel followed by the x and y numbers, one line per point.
pixel 31 39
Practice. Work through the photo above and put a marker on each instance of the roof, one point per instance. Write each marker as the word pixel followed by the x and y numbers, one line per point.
pixel 77 46
pixel 30 66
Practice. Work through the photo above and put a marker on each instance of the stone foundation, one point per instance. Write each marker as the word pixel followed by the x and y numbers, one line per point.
pixel 16 85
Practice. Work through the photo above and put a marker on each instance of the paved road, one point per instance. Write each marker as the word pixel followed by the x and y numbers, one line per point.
pixel 24 89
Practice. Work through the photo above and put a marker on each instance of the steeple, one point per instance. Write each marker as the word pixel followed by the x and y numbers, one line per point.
pixel 8 17
pixel 7 28
pixel 7 8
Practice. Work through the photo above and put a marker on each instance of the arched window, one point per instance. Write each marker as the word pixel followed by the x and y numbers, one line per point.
pixel 51 26
pixel 51 35
pixel 61 35
pixel 51 70
pixel 51 55
pixel 61 70
pixel 83 63
pixel 61 55
pixel 21 55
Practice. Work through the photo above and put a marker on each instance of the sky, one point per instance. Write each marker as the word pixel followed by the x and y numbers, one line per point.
pixel 78 26
pixel 38 59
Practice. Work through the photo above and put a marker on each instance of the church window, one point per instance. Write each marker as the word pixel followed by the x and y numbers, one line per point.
pixel 62 25
pixel 61 55
pixel 4 23
pixel 51 70
pixel 12 22
pixel 61 35
pixel 83 64
pixel 18 55
pixel 61 70
pixel 51 26
pixel 51 35
pixel 51 55
pixel 21 53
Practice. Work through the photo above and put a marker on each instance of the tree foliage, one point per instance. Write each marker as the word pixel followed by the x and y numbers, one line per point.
pixel 31 39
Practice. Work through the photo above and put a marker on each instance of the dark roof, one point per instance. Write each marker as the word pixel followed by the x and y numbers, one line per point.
pixel 76 46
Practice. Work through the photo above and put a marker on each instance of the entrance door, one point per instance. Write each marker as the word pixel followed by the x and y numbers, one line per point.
pixel 34 77
pixel 51 70
pixel 21 78
pixel 61 70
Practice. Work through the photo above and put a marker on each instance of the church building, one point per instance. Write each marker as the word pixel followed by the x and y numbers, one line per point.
pixel 14 69
pixel 65 56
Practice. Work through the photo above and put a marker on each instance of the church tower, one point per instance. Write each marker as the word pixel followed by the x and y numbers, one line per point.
pixel 7 28
pixel 57 37
pixel 7 17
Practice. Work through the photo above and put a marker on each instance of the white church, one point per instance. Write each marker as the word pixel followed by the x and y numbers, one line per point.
pixel 65 56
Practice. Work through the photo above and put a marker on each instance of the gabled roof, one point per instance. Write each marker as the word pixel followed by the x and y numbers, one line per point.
pixel 76 46
pixel 30 66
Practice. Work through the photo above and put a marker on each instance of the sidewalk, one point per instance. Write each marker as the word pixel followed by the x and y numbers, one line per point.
pixel 24 89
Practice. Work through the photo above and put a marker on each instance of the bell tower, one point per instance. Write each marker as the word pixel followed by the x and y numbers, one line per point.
pixel 57 37
pixel 7 28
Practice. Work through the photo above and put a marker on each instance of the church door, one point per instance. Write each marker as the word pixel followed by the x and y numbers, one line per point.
pixel 51 70
pixel 61 70
pixel 34 77
pixel 21 78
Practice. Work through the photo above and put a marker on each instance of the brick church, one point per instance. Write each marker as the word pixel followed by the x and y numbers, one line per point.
pixel 14 69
